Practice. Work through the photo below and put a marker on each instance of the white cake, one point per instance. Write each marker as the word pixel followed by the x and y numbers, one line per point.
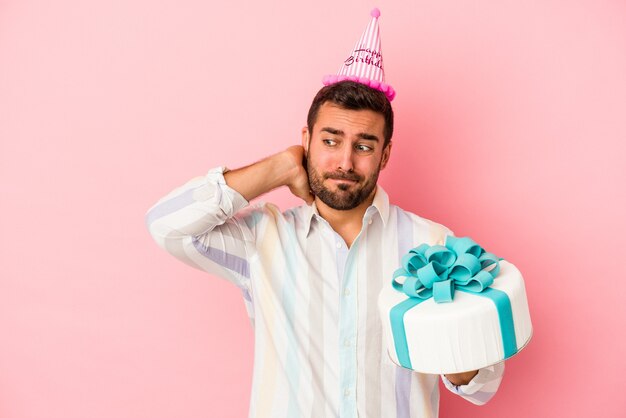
pixel 461 335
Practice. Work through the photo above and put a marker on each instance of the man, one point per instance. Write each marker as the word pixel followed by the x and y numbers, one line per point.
pixel 311 276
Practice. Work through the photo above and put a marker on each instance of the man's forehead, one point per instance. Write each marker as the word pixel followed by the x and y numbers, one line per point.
pixel 339 118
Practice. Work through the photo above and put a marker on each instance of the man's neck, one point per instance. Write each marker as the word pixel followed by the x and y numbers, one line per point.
pixel 347 223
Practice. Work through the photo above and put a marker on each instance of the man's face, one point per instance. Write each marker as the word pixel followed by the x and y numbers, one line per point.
pixel 345 155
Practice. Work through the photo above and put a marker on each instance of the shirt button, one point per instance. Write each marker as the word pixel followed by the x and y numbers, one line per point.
pixel 369 222
pixel 346 292
pixel 346 342
pixel 338 245
pixel 346 393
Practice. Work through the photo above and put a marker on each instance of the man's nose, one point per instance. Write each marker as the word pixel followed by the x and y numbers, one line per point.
pixel 346 159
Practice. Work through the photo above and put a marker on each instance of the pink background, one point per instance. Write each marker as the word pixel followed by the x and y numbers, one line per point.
pixel 511 122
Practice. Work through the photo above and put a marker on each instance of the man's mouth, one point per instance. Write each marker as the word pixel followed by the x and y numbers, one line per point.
pixel 343 178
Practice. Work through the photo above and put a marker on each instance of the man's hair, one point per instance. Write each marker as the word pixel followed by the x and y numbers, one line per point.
pixel 353 96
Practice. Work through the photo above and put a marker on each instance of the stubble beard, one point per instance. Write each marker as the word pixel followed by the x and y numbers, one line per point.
pixel 349 196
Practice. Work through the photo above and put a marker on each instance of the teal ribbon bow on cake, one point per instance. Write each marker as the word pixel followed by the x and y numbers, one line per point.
pixel 437 272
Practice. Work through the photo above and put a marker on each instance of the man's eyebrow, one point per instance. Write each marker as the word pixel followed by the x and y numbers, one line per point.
pixel 332 131
pixel 369 137
pixel 339 132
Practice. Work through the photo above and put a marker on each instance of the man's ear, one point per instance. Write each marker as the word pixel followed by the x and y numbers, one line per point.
pixel 305 139
pixel 386 154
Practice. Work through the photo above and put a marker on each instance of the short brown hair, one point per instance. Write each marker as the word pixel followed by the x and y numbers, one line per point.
pixel 353 96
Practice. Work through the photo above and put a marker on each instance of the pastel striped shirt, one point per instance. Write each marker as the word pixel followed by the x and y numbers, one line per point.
pixel 319 349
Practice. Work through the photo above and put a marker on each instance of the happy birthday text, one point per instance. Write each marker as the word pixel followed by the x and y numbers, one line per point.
pixel 367 56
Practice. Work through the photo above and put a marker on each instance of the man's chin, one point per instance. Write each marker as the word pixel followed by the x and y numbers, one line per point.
pixel 339 200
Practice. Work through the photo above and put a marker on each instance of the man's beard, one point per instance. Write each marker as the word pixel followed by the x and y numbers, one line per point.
pixel 344 198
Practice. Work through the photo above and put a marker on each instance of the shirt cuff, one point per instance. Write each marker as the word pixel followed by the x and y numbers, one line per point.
pixel 482 387
pixel 231 201
pixel 484 376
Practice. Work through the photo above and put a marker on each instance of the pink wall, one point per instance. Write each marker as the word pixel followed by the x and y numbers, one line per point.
pixel 511 122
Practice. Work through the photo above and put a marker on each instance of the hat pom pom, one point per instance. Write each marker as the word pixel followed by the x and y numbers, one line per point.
pixel 375 12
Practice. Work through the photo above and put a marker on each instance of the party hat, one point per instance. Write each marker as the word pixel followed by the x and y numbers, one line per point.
pixel 365 62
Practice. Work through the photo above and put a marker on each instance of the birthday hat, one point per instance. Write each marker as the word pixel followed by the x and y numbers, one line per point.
pixel 365 63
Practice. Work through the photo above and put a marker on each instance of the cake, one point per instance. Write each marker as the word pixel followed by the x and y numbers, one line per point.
pixel 473 327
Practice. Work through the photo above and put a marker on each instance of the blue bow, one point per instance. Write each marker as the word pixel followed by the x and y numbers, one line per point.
pixel 435 271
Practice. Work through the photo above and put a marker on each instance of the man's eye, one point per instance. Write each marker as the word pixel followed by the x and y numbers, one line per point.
pixel 329 142
pixel 363 148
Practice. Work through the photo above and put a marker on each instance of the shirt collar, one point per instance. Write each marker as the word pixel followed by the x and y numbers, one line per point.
pixel 311 215
pixel 380 205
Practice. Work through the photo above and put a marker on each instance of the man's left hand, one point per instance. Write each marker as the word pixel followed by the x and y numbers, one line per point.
pixel 460 379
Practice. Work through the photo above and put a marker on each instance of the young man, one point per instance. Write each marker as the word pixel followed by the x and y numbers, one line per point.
pixel 311 276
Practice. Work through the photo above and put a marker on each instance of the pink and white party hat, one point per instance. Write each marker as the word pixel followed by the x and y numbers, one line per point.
pixel 365 63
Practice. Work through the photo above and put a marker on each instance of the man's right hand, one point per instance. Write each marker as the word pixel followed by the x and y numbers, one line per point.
pixel 299 181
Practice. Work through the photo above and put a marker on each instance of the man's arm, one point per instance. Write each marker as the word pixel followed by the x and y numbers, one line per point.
pixel 196 222
pixel 282 169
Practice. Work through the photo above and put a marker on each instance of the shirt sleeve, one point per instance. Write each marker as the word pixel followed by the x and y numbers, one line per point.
pixel 196 223
pixel 482 387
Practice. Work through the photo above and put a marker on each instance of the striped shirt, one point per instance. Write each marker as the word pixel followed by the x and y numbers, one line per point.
pixel 319 349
